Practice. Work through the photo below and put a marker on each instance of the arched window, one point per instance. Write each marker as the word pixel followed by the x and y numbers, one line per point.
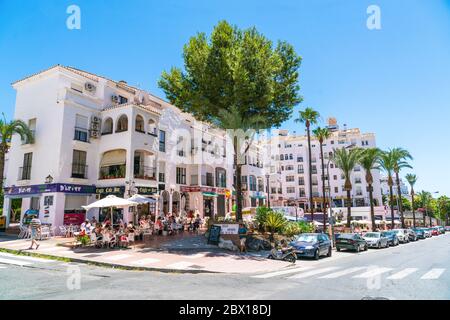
pixel 139 125
pixel 122 124
pixel 152 127
pixel 107 126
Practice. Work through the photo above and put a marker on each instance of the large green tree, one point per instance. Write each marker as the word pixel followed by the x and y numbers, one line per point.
pixel 401 156
pixel 425 199
pixel 369 160
pixel 235 72
pixel 309 116
pixel 387 163
pixel 322 134
pixel 346 160
pixel 412 179
pixel 7 130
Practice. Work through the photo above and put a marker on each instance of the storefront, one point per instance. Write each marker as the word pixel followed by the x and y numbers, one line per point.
pixel 144 209
pixel 207 201
pixel 102 214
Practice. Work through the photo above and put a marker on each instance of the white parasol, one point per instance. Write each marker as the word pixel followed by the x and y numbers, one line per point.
pixel 111 201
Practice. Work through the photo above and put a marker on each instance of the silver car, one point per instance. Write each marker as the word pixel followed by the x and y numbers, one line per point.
pixel 402 235
pixel 376 240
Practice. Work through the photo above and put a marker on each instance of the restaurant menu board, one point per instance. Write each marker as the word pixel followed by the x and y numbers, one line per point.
pixel 214 235
pixel 229 228
pixel 74 218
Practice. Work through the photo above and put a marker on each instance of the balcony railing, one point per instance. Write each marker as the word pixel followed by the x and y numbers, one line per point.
pixel 358 181
pixel 301 171
pixel 112 172
pixel 79 170
pixel 81 134
pixel 24 173
pixel 145 173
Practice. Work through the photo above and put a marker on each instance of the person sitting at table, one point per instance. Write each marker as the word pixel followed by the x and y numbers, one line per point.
pixel 94 221
pixel 158 226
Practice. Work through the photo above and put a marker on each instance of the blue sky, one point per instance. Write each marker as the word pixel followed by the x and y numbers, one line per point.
pixel 394 82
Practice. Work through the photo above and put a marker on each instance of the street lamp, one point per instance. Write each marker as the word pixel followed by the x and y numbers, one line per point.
pixel 268 190
pixel 48 179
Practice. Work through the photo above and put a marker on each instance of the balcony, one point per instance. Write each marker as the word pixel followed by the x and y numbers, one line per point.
pixel 357 180
pixel 300 171
pixel 314 171
pixel 81 134
pixel 79 171
pixel 24 173
pixel 145 173
pixel 315 183
pixel 112 172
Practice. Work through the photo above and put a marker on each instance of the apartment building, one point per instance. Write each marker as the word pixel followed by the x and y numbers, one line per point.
pixel 289 170
pixel 94 136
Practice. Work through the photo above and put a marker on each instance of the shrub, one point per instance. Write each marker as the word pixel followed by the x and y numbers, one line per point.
pixel 275 222
pixel 305 227
pixel 261 215
pixel 291 229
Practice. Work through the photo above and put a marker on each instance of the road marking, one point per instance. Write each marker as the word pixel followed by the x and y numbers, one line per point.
pixel 14 262
pixel 342 273
pixel 180 265
pixel 280 273
pixel 372 272
pixel 312 273
pixel 9 255
pixel 118 257
pixel 433 274
pixel 402 274
pixel 145 261
pixel 2 267
pixel 15 245
pixel 195 256
pixel 50 249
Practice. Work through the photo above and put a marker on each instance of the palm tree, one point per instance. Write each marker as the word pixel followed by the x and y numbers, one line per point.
pixel 309 117
pixel 425 198
pixel 412 179
pixel 387 163
pixel 370 161
pixel 346 160
pixel 7 130
pixel 242 131
pixel 401 155
pixel 323 134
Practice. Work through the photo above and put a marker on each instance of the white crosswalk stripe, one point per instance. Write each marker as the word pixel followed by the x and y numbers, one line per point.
pixel 372 272
pixel 402 274
pixel 180 265
pixel 281 273
pixel 2 267
pixel 118 257
pixel 145 261
pixel 342 273
pixel 433 274
pixel 14 262
pixel 9 255
pixel 312 273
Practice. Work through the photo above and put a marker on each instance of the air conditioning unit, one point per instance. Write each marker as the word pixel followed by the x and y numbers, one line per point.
pixel 95 134
pixel 114 98
pixel 89 87
pixel 96 119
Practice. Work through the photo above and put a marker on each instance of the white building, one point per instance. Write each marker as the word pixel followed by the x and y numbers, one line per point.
pixel 385 187
pixel 95 136
pixel 290 172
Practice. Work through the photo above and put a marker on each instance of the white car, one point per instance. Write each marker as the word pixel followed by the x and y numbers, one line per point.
pixel 427 232
pixel 402 235
pixel 376 240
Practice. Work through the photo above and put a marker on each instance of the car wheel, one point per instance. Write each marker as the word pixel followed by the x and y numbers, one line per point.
pixel 329 252
pixel 338 249
pixel 387 244
pixel 316 254
pixel 366 247
pixel 291 259
pixel 379 245
pixel 357 249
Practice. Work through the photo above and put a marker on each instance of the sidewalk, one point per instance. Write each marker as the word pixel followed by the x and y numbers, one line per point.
pixel 173 256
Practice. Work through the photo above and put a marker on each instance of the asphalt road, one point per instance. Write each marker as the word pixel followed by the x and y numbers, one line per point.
pixel 419 270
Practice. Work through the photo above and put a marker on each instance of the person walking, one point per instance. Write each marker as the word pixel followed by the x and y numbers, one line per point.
pixel 35 225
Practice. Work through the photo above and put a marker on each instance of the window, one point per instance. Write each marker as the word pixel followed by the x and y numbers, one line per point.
pixel 162 141
pixel 336 189
pixel 291 157
pixel 332 141
pixel 273 190
pixel 221 178
pixel 81 128
pixel 281 157
pixel 180 147
pixel 302 192
pixel 335 177
pixel 161 177
pixel 300 169
pixel 34 203
pixel 122 124
pixel 140 125
pixel 299 159
pixel 301 181
pixel 107 126
pixel 314 169
pixel 32 127
pixel 25 171
pixel 79 168
pixel 181 175
pixel 122 100
pixel 290 190
pixel 289 178
pixel 252 183
pixel 289 167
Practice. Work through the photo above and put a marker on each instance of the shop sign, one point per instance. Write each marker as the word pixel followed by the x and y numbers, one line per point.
pixel 47 188
pixel 229 228
pixel 198 189
pixel 147 190
pixel 103 191
pixel 74 218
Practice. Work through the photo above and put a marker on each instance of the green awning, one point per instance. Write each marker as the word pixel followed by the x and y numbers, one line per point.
pixel 209 194
pixel 258 197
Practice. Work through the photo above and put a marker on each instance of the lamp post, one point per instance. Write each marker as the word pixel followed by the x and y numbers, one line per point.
pixel 330 201
pixel 268 190
pixel 48 179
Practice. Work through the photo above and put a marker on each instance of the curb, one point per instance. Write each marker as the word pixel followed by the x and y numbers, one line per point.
pixel 104 264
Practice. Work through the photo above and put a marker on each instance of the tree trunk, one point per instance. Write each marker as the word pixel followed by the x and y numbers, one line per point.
pixel 238 182
pixel 2 166
pixel 349 208
pixel 391 204
pixel 324 202
pixel 412 204
pixel 311 204
pixel 400 204
pixel 372 210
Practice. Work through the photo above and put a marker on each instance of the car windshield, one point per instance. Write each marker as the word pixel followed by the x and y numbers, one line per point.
pixel 306 238
pixel 387 233
pixel 371 235
pixel 346 236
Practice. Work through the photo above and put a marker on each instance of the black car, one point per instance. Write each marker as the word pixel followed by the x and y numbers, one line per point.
pixel 312 245
pixel 392 237
pixel 419 232
pixel 351 241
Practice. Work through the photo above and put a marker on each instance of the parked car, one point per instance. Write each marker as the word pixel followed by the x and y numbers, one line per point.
pixel 441 229
pixel 412 234
pixel 351 241
pixel 392 237
pixel 427 232
pixel 434 231
pixel 376 240
pixel 419 232
pixel 447 228
pixel 312 245
pixel 402 235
